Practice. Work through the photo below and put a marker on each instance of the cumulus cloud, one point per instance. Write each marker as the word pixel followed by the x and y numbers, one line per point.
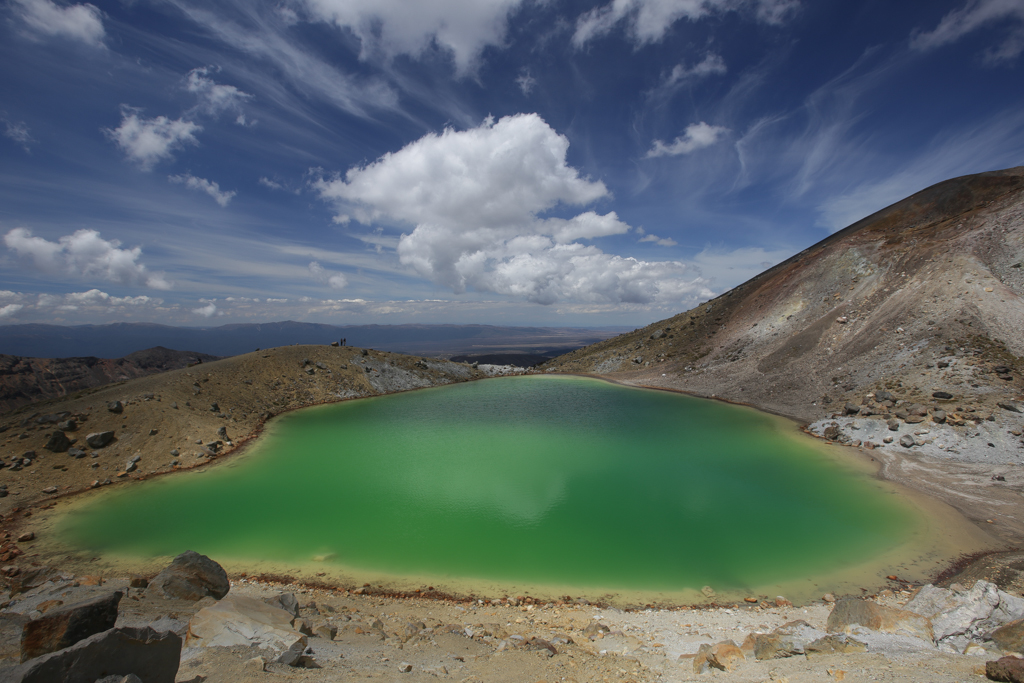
pixel 207 311
pixel 149 141
pixel 203 185
pixel 325 277
pixel 392 27
pixel 84 255
pixel 77 22
pixel 697 136
pixel 10 309
pixel 648 21
pixel 972 16
pixel 476 199
pixel 215 98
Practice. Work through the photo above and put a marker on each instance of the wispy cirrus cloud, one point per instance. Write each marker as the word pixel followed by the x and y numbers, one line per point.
pixel 975 14
pixel 647 21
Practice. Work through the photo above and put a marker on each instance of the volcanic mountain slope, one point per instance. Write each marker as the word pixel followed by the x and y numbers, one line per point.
pixel 919 297
pixel 24 380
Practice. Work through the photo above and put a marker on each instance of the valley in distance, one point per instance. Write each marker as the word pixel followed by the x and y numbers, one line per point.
pixel 899 338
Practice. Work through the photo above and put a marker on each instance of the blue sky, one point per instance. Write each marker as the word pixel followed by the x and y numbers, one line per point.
pixel 548 162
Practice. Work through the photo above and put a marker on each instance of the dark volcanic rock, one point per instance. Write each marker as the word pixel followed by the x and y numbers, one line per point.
pixel 66 626
pixel 191 576
pixel 115 407
pixel 944 395
pixel 58 442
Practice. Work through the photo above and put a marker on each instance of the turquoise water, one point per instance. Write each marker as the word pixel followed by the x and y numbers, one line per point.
pixel 540 480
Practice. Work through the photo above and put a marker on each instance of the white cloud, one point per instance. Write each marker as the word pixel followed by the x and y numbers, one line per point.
pixel 526 83
pixel 78 22
pixel 660 241
pixel 476 199
pixel 273 185
pixel 203 185
pixel 215 98
pixel 1009 14
pixel 392 27
pixel 325 277
pixel 84 255
pixel 10 309
pixel 649 20
pixel 19 133
pixel 711 65
pixel 148 141
pixel 697 136
pixel 206 311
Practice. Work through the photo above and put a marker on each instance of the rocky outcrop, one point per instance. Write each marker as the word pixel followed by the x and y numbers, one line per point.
pixel 152 656
pixel 190 576
pixel 851 612
pixel 65 626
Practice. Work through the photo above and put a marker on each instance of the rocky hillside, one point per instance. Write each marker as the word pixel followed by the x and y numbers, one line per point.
pixel 25 380
pixel 922 296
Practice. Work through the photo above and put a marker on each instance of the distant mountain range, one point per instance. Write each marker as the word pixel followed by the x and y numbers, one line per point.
pixel 121 339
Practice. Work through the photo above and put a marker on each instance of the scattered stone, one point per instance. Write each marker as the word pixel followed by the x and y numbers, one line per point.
pixel 255 664
pixel 285 601
pixel 405 667
pixel 907 441
pixel 152 656
pixel 939 415
pixel 26 537
pixel 190 576
pixel 1009 637
pixel 834 644
pixel 115 407
pixel 942 395
pixel 138 581
pixel 303 626
pixel 326 631
pixel 893 424
pixel 1010 669
pixel 99 439
pixel 66 626
pixel 68 425
pixel 1012 406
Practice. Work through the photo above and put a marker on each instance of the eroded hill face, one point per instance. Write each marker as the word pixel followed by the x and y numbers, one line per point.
pixel 25 380
pixel 920 297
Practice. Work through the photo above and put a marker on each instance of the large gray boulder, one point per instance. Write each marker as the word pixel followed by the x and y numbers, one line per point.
pixel 63 627
pixel 152 656
pixel 190 576
pixel 966 613
pixel 241 620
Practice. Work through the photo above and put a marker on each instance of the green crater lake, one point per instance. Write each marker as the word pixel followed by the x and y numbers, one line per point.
pixel 523 481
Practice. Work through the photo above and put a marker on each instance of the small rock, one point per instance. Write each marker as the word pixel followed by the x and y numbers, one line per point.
pixel 1012 406
pixel 115 407
pixel 255 664
pixel 907 441
pixel 943 395
pixel 26 537
pixel 405 667
pixel 99 439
